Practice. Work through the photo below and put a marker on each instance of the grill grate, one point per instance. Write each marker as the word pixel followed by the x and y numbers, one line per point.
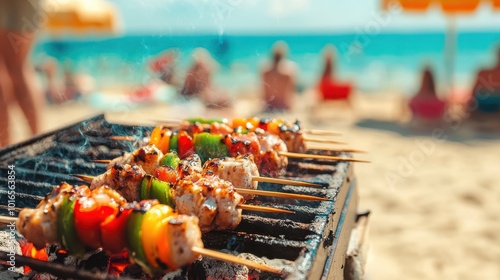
pixel 313 241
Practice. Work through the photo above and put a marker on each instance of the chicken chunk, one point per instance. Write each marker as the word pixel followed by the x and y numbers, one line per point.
pixel 189 165
pixel 148 157
pixel 271 163
pixel 213 200
pixel 126 179
pixel 239 170
pixel 183 233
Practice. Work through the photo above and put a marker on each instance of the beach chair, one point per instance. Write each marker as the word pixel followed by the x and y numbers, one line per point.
pixel 331 94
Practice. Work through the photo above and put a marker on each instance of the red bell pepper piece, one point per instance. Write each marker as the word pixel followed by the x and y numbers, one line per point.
pixel 89 215
pixel 185 145
pixel 113 231
pixel 166 174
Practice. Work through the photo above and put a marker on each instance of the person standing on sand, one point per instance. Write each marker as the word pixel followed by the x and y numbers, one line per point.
pixel 278 81
pixel 18 23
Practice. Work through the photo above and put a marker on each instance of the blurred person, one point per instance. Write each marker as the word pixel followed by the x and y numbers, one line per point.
pixel 18 24
pixel 329 87
pixel 57 92
pixel 486 90
pixel 198 81
pixel 425 106
pixel 279 80
pixel 164 65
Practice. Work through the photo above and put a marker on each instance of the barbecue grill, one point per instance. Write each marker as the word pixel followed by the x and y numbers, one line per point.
pixel 309 244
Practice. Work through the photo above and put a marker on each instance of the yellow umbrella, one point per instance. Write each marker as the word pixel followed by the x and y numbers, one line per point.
pixel 80 16
pixel 451 8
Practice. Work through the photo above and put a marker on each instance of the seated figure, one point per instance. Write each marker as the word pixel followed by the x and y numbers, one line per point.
pixel 329 87
pixel 425 105
pixel 278 81
pixel 486 90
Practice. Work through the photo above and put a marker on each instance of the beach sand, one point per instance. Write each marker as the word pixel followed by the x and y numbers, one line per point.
pixel 434 197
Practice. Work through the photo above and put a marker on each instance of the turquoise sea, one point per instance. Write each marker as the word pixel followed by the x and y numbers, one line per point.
pixel 374 62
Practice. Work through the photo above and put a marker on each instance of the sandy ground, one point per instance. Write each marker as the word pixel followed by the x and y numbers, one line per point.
pixel 434 195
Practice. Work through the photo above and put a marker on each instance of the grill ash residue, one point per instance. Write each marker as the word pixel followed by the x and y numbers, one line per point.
pixel 214 269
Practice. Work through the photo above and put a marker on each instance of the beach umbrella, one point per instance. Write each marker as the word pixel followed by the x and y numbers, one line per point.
pixel 451 9
pixel 79 17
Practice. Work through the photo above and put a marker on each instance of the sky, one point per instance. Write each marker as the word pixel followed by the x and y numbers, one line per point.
pixel 287 16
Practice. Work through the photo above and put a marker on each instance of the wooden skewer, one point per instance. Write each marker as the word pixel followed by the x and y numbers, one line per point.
pixel 308 139
pixel 321 132
pixel 319 140
pixel 234 259
pixel 311 156
pixel 335 150
pixel 176 122
pixel 167 121
pixel 7 220
pixel 202 251
pixel 85 178
pixel 328 141
pixel 284 181
pixel 255 178
pixel 122 138
pixel 89 179
pixel 106 161
pixel 280 194
pixel 257 208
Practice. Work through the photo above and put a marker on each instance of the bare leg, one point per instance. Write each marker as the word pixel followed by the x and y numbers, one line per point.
pixel 22 76
pixel 4 113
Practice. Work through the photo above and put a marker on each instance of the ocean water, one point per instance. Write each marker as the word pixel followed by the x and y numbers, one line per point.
pixel 373 62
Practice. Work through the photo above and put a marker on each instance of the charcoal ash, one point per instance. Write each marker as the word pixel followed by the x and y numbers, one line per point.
pixel 210 268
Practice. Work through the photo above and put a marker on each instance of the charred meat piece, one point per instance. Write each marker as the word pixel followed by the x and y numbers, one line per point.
pixel 240 144
pixel 148 157
pixel 126 179
pixel 182 234
pixel 220 128
pixel 293 137
pixel 270 162
pixel 189 165
pixel 214 128
pixel 238 170
pixel 213 200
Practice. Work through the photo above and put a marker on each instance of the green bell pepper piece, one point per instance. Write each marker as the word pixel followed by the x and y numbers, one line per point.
pixel 134 232
pixel 161 190
pixel 209 146
pixel 170 159
pixel 153 188
pixel 174 142
pixel 66 227
pixel 207 121
pixel 145 190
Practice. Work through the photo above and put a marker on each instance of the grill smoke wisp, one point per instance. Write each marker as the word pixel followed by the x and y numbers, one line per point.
pixel 308 244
